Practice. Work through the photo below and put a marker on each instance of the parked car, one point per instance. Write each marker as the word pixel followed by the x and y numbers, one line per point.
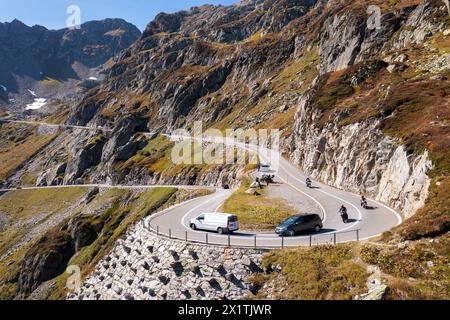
pixel 299 223
pixel 216 222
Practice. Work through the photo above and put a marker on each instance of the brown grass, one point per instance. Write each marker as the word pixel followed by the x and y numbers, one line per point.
pixel 13 154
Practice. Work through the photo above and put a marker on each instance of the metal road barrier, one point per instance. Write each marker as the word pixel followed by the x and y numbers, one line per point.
pixel 258 241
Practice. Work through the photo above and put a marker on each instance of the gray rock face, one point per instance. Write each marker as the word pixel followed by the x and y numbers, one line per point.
pixel 347 39
pixel 177 270
pixel 87 157
pixel 40 265
pixel 359 158
pixel 341 42
pixel 419 26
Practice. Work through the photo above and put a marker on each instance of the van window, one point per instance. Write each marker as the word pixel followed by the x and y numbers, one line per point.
pixel 232 219
pixel 201 217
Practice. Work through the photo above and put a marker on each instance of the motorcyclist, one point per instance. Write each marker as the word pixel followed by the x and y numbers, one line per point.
pixel 363 202
pixel 308 182
pixel 344 214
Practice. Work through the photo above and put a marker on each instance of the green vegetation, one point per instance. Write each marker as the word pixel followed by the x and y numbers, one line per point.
pixel 318 273
pixel 28 209
pixel 50 82
pixel 96 140
pixel 156 157
pixel 25 210
pixel 415 270
pixel 257 212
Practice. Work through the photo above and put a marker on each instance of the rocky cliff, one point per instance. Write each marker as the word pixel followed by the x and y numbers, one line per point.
pixel 360 158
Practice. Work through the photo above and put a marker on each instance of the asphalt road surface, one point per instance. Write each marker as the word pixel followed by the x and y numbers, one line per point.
pixel 174 222
pixel 363 225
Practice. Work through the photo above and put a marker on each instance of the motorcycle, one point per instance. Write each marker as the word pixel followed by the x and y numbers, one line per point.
pixel 344 216
pixel 364 204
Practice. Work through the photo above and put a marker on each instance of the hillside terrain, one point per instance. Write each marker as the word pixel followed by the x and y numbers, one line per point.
pixel 364 109
pixel 56 65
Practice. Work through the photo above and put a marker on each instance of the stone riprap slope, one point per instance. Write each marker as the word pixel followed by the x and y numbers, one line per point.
pixel 145 267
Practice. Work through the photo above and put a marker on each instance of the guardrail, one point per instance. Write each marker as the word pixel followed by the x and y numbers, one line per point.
pixel 259 241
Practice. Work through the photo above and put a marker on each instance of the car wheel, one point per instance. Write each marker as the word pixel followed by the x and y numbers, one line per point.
pixel 318 228
pixel 291 233
pixel 193 226
pixel 220 231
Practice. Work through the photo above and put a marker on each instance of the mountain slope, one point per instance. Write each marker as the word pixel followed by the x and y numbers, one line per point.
pixel 42 60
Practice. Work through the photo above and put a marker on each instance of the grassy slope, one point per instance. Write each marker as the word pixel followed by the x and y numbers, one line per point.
pixel 26 209
pixel 17 146
pixel 318 273
pixel 256 212
pixel 116 210
pixel 23 209
pixel 416 270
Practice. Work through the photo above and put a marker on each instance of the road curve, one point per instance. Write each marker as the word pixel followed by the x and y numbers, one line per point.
pixel 364 224
pixel 174 222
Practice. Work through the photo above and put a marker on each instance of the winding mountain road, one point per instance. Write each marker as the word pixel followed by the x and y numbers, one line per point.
pixel 363 225
pixel 174 222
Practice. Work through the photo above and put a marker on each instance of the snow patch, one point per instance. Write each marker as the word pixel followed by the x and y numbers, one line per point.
pixel 2 87
pixel 37 104
pixel 93 78
pixel 32 93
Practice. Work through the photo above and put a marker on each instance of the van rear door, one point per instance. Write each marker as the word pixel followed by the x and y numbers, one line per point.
pixel 233 223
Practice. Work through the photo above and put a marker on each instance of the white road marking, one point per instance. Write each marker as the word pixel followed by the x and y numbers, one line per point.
pixel 244 146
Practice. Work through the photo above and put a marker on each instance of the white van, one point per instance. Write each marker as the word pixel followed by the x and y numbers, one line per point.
pixel 264 167
pixel 216 222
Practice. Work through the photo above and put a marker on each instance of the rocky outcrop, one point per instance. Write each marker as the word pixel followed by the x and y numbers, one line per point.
pixel 347 39
pixel 359 158
pixel 44 261
pixel 341 42
pixel 214 176
pixel 49 257
pixel 422 23
pixel 145 267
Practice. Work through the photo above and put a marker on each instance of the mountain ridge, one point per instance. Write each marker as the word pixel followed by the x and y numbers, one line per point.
pixel 37 59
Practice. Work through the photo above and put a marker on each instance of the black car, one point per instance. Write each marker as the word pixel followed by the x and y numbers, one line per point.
pixel 299 223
